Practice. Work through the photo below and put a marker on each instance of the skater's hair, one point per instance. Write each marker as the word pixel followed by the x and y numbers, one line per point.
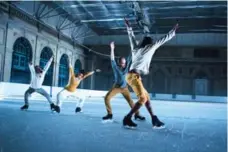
pixel 145 41
pixel 38 69
pixel 121 59
pixel 80 72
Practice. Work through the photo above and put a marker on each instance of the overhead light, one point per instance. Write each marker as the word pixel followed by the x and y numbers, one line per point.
pixel 102 20
pixel 73 6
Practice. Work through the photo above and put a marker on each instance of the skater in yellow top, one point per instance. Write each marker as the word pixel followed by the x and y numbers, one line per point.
pixel 70 89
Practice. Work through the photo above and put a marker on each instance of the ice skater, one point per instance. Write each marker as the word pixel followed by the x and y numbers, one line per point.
pixel 70 89
pixel 120 85
pixel 37 79
pixel 142 54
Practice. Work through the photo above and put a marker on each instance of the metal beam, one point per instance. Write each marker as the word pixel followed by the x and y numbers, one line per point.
pixel 75 22
pixel 42 10
pixel 51 10
pixel 61 23
pixel 56 15
pixel 76 31
pixel 70 27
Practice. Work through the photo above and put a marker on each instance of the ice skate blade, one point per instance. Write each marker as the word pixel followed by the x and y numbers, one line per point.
pixel 157 128
pixel 79 112
pixel 139 119
pixel 107 121
pixel 129 127
pixel 24 109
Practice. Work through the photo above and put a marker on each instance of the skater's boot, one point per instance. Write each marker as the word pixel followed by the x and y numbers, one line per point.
pixel 78 109
pixel 52 106
pixel 139 117
pixel 57 109
pixel 25 107
pixel 157 124
pixel 127 122
pixel 107 118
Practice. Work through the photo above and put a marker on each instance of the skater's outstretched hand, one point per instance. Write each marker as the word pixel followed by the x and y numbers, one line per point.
pixel 126 22
pixel 176 27
pixel 112 45
pixel 97 70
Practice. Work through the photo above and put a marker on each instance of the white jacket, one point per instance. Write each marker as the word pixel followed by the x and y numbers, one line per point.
pixel 141 57
pixel 38 79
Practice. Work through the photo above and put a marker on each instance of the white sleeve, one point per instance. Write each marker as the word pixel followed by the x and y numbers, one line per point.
pixel 112 55
pixel 164 39
pixel 48 65
pixel 131 38
pixel 32 70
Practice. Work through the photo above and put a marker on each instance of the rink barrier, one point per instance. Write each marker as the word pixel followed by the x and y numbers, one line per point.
pixel 16 91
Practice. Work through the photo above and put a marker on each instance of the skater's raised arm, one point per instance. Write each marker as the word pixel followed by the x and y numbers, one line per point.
pixel 90 73
pixel 48 65
pixel 71 71
pixel 129 59
pixel 112 46
pixel 131 36
pixel 166 38
pixel 31 68
pixel 113 62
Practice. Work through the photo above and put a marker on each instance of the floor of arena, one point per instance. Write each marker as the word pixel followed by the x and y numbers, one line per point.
pixel 190 127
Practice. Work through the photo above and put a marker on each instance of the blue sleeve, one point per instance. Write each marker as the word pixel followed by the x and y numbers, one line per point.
pixel 114 65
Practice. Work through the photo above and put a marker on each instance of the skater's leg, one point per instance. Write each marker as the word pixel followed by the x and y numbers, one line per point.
pixel 127 96
pixel 148 106
pixel 60 97
pixel 136 84
pixel 45 94
pixel 111 93
pixel 80 103
pixel 27 94
pixel 155 121
pixel 109 96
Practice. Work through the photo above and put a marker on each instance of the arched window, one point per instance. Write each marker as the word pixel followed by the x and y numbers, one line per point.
pixel 63 71
pixel 46 54
pixel 77 68
pixel 22 54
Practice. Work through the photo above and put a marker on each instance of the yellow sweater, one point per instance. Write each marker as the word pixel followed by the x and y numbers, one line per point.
pixel 75 81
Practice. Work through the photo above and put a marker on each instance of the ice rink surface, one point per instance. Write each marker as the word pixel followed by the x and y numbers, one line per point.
pixel 190 127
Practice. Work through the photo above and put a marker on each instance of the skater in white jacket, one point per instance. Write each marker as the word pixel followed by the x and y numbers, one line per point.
pixel 142 54
pixel 37 79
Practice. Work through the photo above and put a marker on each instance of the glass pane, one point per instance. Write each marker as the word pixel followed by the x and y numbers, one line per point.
pixel 22 52
pixel 22 61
